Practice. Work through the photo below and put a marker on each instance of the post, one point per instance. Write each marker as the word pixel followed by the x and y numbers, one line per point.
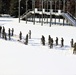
pixel 63 10
pixel 26 11
pixel 39 9
pixel 42 13
pixel 47 11
pixel 55 11
pixel 67 11
pixel 44 9
pixel 19 11
pixel 50 12
pixel 59 9
pixel 34 12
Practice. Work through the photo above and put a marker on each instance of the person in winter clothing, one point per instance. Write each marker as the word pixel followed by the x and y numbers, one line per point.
pixel 62 42
pixel 43 40
pixel 26 40
pixel 3 32
pixel 72 41
pixel 29 34
pixel 51 43
pixel 9 33
pixel 56 41
pixel 49 40
pixel 0 30
pixel 12 31
pixel 20 35
pixel 74 50
pixel 5 36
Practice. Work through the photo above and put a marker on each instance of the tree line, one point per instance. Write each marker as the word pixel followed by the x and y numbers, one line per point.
pixel 11 6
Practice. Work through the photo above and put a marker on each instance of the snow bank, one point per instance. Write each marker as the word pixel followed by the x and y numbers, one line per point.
pixel 34 59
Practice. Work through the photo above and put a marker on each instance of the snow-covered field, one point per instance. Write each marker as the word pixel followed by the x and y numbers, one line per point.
pixel 34 59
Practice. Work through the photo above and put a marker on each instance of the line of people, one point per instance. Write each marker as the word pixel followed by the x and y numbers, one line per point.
pixel 3 33
pixel 10 33
pixel 51 41
pixel 28 36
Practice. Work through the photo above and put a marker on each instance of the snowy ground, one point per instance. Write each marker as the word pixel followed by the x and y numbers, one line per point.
pixel 35 59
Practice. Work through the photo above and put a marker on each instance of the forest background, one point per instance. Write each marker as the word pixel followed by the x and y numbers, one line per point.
pixel 11 6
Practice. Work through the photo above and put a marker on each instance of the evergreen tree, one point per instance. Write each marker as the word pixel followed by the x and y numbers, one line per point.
pixel 4 6
pixel 29 4
pixel 11 6
pixel 0 6
pixel 14 8
pixel 23 6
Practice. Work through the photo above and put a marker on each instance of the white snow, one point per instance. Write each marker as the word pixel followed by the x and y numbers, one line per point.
pixel 34 59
